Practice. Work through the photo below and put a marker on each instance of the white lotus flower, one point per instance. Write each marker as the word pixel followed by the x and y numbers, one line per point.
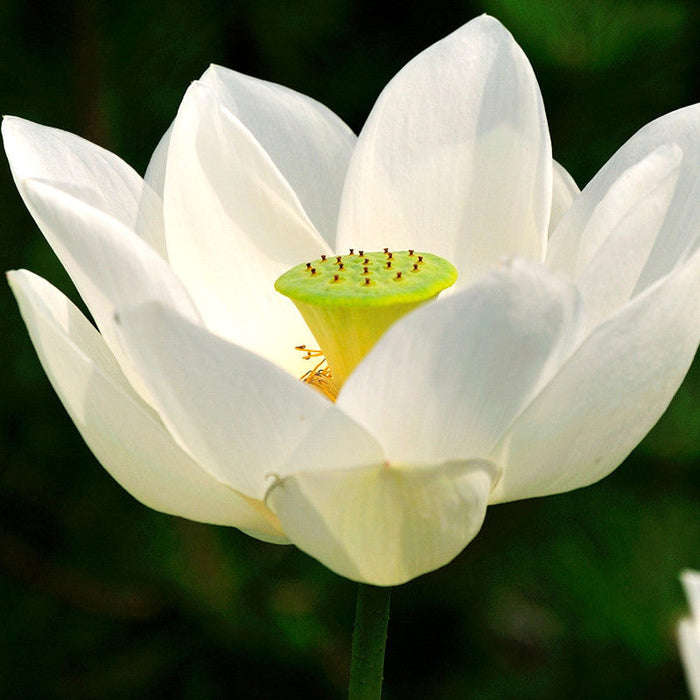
pixel 528 377
pixel 689 633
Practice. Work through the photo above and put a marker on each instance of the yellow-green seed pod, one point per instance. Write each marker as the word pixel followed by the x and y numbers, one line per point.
pixel 349 301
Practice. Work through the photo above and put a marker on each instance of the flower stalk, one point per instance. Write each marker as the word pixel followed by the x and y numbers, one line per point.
pixel 369 642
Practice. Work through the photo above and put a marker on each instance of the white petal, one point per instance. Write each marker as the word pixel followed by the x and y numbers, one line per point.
pixel 691 586
pixel 92 174
pixel 573 253
pixel 240 416
pixel 455 157
pixel 629 223
pixel 109 264
pixel 155 172
pixel 564 191
pixel 120 429
pixel 689 644
pixel 574 240
pixel 309 144
pixel 384 524
pixel 689 633
pixel 608 395
pixel 233 226
pixel 445 381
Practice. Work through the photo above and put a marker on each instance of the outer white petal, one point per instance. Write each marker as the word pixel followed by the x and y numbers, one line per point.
pixel 608 395
pixel 233 226
pixel 631 188
pixel 108 263
pixel 309 144
pixel 445 381
pixel 628 219
pixel 120 429
pixel 691 585
pixel 384 524
pixel 689 643
pixel 155 172
pixel 455 157
pixel 564 191
pixel 237 414
pixel 689 633
pixel 576 238
pixel 92 174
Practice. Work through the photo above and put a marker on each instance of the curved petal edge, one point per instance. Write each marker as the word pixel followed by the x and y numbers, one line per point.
pixel 383 524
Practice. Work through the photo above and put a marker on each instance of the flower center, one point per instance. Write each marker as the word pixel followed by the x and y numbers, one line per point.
pixel 349 301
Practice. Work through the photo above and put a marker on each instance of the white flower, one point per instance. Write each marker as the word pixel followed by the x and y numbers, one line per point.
pixel 530 377
pixel 689 633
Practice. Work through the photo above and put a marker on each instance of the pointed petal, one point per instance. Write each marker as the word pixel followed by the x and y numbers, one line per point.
pixel 120 429
pixel 564 191
pixel 455 157
pixel 445 381
pixel 691 586
pixel 629 222
pixel 109 264
pixel 155 172
pixel 576 237
pixel 92 174
pixel 233 226
pixel 384 524
pixel 573 253
pixel 608 395
pixel 309 144
pixel 237 414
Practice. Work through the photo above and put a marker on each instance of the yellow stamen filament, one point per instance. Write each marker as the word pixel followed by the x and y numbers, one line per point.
pixel 320 376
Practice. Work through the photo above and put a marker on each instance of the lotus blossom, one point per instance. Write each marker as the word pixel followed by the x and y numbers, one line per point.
pixel 574 318
pixel 689 633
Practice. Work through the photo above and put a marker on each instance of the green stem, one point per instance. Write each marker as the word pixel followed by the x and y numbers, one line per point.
pixel 369 642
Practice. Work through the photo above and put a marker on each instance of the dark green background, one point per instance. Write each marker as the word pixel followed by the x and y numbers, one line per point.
pixel 573 596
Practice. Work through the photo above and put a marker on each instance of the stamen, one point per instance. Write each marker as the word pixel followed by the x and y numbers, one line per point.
pixel 308 353
pixel 319 377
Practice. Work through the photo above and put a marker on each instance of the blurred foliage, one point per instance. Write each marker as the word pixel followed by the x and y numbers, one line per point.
pixel 570 596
